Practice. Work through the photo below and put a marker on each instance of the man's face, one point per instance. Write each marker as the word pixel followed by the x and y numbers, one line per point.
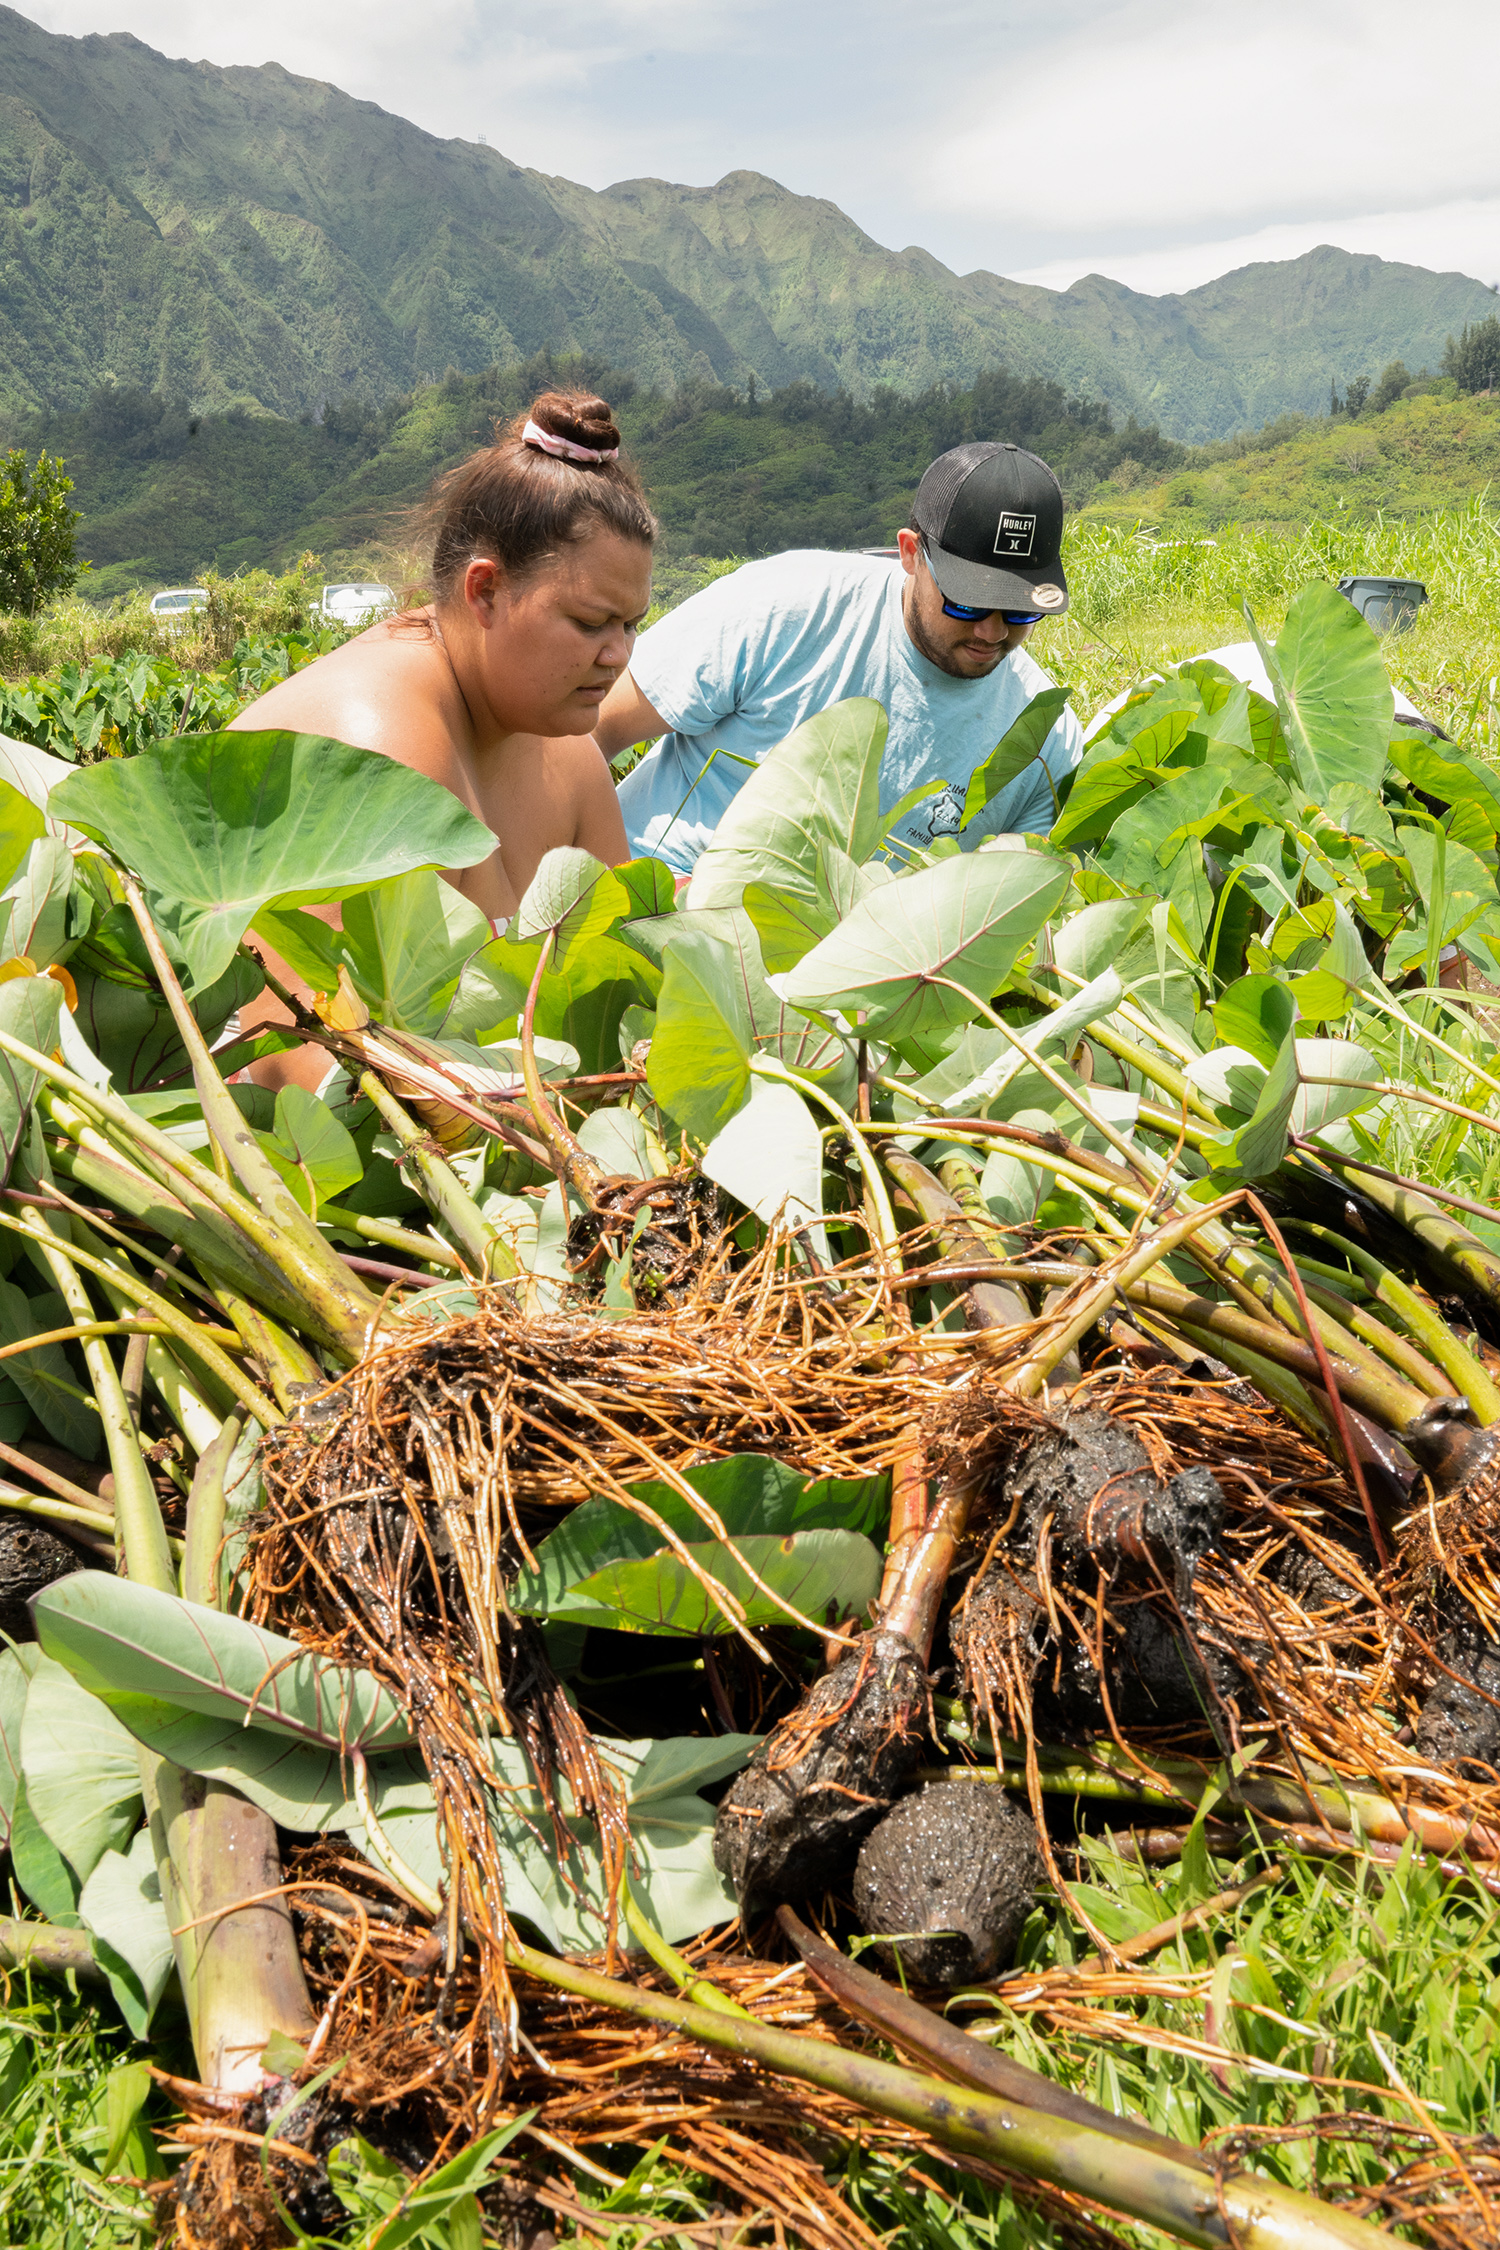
pixel 966 651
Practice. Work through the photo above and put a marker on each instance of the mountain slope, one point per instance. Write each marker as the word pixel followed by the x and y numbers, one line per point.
pixel 248 235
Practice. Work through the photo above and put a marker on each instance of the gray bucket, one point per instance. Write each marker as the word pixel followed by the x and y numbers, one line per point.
pixel 1389 604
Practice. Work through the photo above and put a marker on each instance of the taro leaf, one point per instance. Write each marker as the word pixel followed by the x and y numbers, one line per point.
pixel 671 1828
pixel 1467 890
pixel 1060 1027
pixel 119 1638
pixel 39 1867
pixel 1443 771
pixel 21 822
pixel 28 1011
pixel 1018 746
pixel 672 1767
pixel 83 1778
pixel 301 1786
pixel 1283 1102
pixel 1106 786
pixel 1337 1059
pixel 572 894
pixel 34 911
pixel 121 1908
pixel 1332 692
pixel 770 1158
pixel 16 1668
pixel 1254 1016
pixel 1013 1190
pixel 44 1376
pixel 129 1025
pixel 787 925
pixel 750 1493
pixel 1093 940
pixel 965 919
pixel 812 1572
pixel 699 1065
pixel 407 945
pixel 623 1142
pixel 842 882
pixel 650 886
pixel 1328 992
pixel 220 825
pixel 822 785
pixel 310 1149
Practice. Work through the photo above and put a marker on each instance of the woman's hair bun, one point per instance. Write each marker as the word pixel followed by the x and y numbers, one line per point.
pixel 578 418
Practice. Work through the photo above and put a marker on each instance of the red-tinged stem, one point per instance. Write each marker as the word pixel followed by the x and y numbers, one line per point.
pixel 1336 1404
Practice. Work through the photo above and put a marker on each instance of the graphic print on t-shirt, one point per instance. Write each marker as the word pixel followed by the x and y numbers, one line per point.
pixel 1015 535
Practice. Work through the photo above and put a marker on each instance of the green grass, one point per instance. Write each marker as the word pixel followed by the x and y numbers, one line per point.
pixel 1139 600
pixel 74 2104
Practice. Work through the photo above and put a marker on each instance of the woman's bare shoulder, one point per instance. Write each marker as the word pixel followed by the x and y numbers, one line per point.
pixel 390 689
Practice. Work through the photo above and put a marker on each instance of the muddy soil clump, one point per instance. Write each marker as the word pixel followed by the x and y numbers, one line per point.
pixel 1460 1722
pixel 950 1873
pixel 31 1557
pixel 793 1821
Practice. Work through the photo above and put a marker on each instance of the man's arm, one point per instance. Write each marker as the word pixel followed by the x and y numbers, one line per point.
pixel 626 718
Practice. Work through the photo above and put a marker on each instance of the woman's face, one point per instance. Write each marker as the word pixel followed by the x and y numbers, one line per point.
pixel 551 648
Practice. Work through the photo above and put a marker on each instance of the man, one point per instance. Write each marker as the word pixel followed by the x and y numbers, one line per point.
pixel 936 634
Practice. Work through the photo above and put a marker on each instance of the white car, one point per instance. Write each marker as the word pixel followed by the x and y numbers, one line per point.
pixel 176 602
pixel 356 602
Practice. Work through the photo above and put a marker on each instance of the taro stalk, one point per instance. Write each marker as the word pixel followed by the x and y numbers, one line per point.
pixel 238 1964
pixel 1145 2183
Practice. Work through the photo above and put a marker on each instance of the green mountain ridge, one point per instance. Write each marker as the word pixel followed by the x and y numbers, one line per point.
pixel 248 236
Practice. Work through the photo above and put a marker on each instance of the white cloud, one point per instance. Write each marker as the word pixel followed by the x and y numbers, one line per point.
pixel 1169 115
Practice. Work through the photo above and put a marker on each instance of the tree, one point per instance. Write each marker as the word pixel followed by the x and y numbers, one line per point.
pixel 1357 392
pixel 1473 359
pixel 1392 383
pixel 38 533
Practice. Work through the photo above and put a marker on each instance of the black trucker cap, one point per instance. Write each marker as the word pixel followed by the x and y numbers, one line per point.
pixel 992 518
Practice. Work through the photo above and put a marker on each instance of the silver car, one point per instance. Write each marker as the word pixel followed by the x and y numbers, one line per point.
pixel 356 602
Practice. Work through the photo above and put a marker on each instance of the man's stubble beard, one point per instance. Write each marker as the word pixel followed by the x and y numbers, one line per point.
pixel 936 654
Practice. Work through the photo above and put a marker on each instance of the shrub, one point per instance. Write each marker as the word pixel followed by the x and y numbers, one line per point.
pixel 38 532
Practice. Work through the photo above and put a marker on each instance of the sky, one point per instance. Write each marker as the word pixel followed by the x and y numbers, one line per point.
pixel 1161 142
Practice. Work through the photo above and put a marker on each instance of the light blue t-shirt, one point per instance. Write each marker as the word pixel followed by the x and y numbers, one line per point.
pixel 739 666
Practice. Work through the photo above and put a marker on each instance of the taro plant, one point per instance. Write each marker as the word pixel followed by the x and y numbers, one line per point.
pixel 1017 1091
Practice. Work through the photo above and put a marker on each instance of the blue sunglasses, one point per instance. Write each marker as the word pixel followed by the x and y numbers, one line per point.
pixel 967 616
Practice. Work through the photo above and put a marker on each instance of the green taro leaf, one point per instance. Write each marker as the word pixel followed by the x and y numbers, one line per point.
pixel 35 908
pixel 1332 692
pixel 45 1377
pixel 300 1785
pixel 814 1572
pixel 16 1668
pixel 129 1026
pixel 1014 752
pixel 1255 1015
pixel 1093 939
pixel 572 894
pixel 311 1150
pixel 21 822
pixel 39 1867
pixel 749 1493
pixel 118 1638
pixel 650 886
pixel 407 945
pixel 83 1778
pixel 699 1065
pixel 220 825
pixel 770 1158
pixel 121 1908
pixel 965 919
pixel 822 785
pixel 788 926
pixel 29 1009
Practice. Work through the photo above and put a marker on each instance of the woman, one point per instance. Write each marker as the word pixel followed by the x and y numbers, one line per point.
pixel 541 574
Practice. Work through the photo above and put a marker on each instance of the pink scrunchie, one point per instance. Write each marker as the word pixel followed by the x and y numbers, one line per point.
pixel 563 448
